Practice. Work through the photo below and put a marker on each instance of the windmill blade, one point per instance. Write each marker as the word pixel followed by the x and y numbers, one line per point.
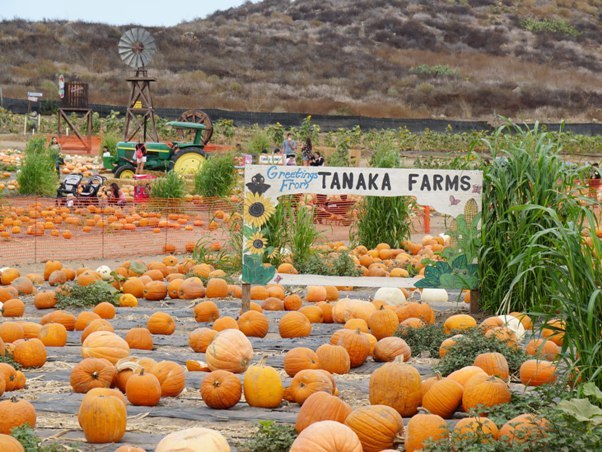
pixel 136 47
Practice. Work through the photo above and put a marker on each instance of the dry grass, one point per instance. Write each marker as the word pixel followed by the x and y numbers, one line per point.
pixel 341 56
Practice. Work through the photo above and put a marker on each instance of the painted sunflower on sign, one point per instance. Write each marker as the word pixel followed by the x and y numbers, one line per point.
pixel 257 243
pixel 257 209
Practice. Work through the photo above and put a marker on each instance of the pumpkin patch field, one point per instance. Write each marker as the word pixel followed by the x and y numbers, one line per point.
pixel 161 356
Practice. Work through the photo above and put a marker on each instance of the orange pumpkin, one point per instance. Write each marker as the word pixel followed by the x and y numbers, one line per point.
pixel 321 406
pixel 105 310
pixel 377 426
pixel 92 373
pixel 104 344
pixel 139 338
pixel 544 349
pixel 397 385
pixel 155 291
pixel 327 436
pixel 443 398
pixel 225 323
pixel 333 358
pixel 191 288
pixel 230 350
pixel 389 348
pixel 423 427
pixel 12 308
pixel 171 376
pixel 161 323
pixel 206 311
pixel 253 323
pixel 200 339
pixel 84 319
pixel 221 390
pixel 308 381
pixel 53 335
pixel 292 302
pixel 30 353
pixel 298 359
pixel 534 372
pixel 294 324
pixel 493 363
pixel 485 390
pixel 480 429
pixel 217 288
pixel 524 428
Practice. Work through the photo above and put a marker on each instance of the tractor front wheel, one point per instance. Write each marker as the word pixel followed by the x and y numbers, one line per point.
pixel 125 172
pixel 188 161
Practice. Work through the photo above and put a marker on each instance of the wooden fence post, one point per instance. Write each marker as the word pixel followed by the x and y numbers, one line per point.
pixel 246 297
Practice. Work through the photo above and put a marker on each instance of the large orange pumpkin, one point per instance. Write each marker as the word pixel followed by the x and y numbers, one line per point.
pixel 327 436
pixel 397 385
pixel 14 413
pixel 104 344
pixel 377 426
pixel 230 350
pixel 298 359
pixel 321 406
pixel 171 376
pixel 102 418
pixel 485 390
pixel 534 372
pixel 443 398
pixel 221 390
pixel 493 363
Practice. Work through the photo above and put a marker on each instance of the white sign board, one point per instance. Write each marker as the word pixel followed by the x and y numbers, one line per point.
pixel 447 191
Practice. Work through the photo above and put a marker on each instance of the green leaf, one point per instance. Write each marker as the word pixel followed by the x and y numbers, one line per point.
pixel 137 267
pixel 591 390
pixel 582 410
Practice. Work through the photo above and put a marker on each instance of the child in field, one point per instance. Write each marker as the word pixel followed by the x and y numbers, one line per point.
pixel 140 157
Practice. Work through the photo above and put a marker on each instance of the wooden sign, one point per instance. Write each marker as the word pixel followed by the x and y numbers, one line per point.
pixel 450 192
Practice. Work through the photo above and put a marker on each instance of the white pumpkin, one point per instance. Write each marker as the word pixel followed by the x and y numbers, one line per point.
pixel 514 325
pixel 392 295
pixel 196 439
pixel 104 272
pixel 434 295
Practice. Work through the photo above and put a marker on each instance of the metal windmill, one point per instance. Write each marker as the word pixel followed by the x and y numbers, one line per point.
pixel 136 49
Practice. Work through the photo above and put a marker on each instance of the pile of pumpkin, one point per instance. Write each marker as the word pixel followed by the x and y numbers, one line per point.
pixel 396 388
pixel 39 219
pixel 385 261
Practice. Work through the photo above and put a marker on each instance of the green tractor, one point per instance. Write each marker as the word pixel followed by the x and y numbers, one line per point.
pixel 185 158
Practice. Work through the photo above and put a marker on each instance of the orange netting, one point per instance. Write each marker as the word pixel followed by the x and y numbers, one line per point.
pixel 37 229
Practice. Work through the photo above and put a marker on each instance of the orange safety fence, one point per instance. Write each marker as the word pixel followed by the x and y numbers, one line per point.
pixel 36 229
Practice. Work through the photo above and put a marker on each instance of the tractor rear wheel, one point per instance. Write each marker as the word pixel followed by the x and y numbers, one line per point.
pixel 188 161
pixel 125 172
pixel 199 117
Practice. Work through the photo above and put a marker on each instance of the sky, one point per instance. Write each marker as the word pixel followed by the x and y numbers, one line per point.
pixel 115 12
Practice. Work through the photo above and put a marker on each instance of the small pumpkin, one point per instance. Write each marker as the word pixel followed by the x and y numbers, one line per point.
pixel 10 444
pixel 127 300
pixel 262 386
pixel 357 345
pixel 191 288
pixel 459 322
pixel 45 299
pixel 206 311
pixel 480 429
pixel 14 413
pixel 300 358
pixel 221 390
pixel 30 353
pixel 333 358
pixel 524 428
pixel 327 436
pixel 493 363
pixel 377 426
pixel 12 308
pixel 196 439
pixel 388 348
pixel 294 324
pixel 253 324
pixel 308 381
pixel 535 372
pixel 105 310
pixel 143 389
pixel 544 349
pixel 225 323
pixel 443 398
pixel 200 339
pixel 321 406
pixel 423 427
pixel 92 373
pixel 139 338
pixel 63 317
pixel 171 376
pixel 161 323
pixel 154 291
pixel 102 418
pixel 84 319
pixel 383 323
pixel 53 335
pixel 485 390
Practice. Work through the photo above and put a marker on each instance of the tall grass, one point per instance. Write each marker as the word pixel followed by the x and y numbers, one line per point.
pixel 110 140
pixel 170 186
pixel 36 174
pixel 525 171
pixel 291 231
pixel 383 219
pixel 564 259
pixel 217 176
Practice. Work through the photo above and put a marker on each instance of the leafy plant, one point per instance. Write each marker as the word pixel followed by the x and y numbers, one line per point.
pixel 8 359
pixel 110 140
pixel 549 25
pixel 302 232
pixel 383 219
pixel 76 296
pixel 567 430
pixel 259 141
pixel 328 265
pixel 170 186
pixel 225 128
pixel 32 442
pixel 472 344
pixel 36 174
pixel 217 177
pixel 425 339
pixel 271 437
pixel 228 260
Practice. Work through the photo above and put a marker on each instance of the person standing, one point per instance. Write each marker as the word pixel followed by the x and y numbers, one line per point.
pixel 59 160
pixel 307 152
pixel 140 156
pixel 289 146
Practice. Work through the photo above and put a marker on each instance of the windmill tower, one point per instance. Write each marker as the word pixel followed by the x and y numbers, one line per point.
pixel 136 49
